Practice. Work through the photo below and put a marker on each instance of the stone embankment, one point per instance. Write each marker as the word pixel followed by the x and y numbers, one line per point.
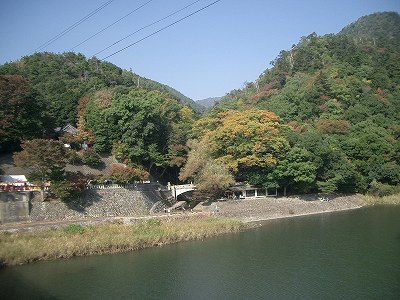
pixel 98 203
pixel 128 206
pixel 251 210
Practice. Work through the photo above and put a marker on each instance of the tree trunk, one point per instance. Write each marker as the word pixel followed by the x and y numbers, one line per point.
pixel 284 190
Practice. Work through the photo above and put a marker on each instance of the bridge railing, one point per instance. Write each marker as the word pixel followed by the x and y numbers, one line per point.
pixel 109 186
pixel 181 187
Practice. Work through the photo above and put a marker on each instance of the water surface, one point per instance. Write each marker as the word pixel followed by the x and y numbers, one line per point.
pixel 346 255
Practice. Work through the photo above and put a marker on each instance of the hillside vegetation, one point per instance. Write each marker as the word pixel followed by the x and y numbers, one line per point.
pixel 325 117
pixel 52 85
pixel 339 98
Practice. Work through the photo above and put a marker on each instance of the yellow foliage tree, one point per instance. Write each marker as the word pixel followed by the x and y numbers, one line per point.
pixel 243 139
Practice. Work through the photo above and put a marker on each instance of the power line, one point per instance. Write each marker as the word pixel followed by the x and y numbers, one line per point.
pixel 120 19
pixel 138 41
pixel 49 42
pixel 144 27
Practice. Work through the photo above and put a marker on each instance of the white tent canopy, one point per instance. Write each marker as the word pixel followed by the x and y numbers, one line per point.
pixel 13 179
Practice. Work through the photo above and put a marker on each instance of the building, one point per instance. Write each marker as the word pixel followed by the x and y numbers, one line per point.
pixel 245 191
pixel 10 183
pixel 66 129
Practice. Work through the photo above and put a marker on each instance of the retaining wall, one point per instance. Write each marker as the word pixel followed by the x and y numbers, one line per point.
pixel 96 203
pixel 14 206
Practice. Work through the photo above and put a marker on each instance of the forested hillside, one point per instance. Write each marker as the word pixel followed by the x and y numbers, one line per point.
pixel 209 102
pixel 55 83
pixel 324 118
pixel 339 98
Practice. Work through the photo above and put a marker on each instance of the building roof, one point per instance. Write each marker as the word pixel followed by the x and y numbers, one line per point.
pixel 13 178
pixel 70 129
pixel 244 187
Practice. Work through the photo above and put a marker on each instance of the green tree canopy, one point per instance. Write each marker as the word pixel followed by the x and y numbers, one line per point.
pixel 296 170
pixel 21 115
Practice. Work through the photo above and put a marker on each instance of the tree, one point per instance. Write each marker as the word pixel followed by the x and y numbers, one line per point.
pixel 198 157
pixel 142 120
pixel 214 178
pixel 90 157
pixel 180 129
pixel 210 175
pixel 44 159
pixel 373 151
pixel 20 113
pixel 124 174
pixel 295 170
pixel 243 140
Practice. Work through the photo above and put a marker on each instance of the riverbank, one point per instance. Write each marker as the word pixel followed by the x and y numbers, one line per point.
pixel 385 200
pixel 28 242
pixel 252 210
pixel 79 240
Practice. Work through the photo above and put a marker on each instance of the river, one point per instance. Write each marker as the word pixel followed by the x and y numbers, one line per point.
pixel 344 255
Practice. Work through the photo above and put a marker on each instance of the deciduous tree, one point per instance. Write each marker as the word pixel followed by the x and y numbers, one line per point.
pixel 243 140
pixel 210 175
pixel 295 170
pixel 44 159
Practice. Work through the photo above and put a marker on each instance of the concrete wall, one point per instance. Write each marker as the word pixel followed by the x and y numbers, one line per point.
pixel 14 206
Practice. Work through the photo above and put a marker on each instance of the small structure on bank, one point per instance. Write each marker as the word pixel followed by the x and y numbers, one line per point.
pixel 10 183
pixel 246 191
pixel 66 129
pixel 15 194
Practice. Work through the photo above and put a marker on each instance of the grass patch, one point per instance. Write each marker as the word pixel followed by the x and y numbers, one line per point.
pixel 376 200
pixel 74 228
pixel 77 240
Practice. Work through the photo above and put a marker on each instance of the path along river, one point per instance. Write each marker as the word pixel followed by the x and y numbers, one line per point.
pixel 343 255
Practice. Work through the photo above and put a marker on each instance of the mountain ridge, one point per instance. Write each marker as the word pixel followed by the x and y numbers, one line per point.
pixel 208 102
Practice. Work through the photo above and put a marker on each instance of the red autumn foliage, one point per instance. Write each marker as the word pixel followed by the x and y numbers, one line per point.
pixel 332 126
pixel 124 174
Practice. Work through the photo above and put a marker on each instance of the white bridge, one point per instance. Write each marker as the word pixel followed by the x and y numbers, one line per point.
pixel 180 189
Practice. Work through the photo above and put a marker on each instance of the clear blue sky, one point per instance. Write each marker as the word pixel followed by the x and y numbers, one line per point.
pixel 206 55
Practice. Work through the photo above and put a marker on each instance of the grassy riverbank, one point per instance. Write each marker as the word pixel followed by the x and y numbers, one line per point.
pixel 375 200
pixel 76 240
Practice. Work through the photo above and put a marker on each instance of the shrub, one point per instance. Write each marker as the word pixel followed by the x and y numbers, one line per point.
pixel 381 189
pixel 64 191
pixel 73 157
pixel 119 150
pixel 74 229
pixel 97 178
pixel 90 157
pixel 123 174
pixel 328 186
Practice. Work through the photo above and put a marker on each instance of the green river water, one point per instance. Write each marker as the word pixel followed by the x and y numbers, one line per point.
pixel 345 255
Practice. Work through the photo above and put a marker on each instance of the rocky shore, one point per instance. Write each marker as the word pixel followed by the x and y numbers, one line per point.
pixel 251 210
pixel 245 210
